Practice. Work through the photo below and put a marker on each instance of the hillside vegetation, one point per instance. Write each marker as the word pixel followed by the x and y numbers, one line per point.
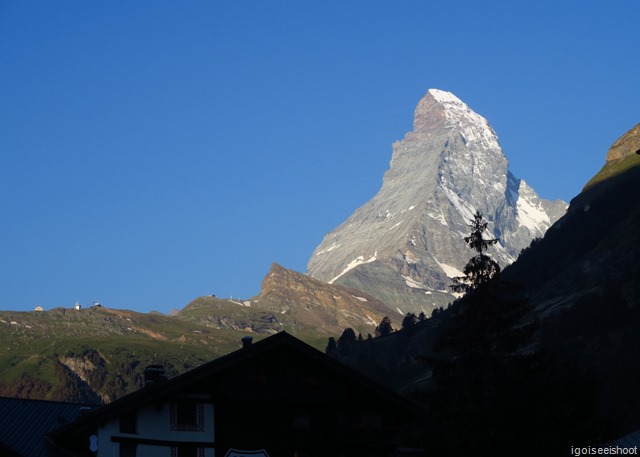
pixel 96 355
pixel 614 168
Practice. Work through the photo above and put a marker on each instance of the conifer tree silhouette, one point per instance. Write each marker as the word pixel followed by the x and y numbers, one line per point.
pixel 480 268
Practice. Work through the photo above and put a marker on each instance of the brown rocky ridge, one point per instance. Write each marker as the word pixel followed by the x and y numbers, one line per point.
pixel 628 144
pixel 327 307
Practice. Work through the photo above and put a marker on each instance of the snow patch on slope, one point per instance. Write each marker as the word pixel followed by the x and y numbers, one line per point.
pixel 330 248
pixel 412 283
pixel 532 217
pixel 438 217
pixel 475 128
pixel 354 263
pixel 465 210
pixel 449 270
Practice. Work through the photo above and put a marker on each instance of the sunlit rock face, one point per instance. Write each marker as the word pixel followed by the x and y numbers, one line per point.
pixel 406 243
pixel 628 144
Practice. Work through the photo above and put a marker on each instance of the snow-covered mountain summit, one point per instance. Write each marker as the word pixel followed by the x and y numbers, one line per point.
pixel 405 244
pixel 474 127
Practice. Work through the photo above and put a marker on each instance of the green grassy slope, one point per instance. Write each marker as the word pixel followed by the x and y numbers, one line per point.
pixel 613 168
pixel 99 354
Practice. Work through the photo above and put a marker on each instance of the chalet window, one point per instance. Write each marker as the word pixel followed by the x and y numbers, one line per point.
pixel 187 451
pixel 187 416
pixel 127 450
pixel 128 422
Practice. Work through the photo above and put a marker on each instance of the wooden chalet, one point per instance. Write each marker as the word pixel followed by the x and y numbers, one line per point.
pixel 275 397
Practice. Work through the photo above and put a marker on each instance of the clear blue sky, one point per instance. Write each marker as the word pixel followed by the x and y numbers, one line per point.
pixel 155 151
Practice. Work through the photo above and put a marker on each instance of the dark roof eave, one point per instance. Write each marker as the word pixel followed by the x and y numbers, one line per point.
pixel 151 393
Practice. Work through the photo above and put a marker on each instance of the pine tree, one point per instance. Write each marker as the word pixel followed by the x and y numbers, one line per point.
pixel 385 327
pixel 348 336
pixel 409 320
pixel 332 347
pixel 480 268
pixel 346 341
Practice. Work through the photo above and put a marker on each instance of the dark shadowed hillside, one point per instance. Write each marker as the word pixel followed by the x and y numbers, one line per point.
pixel 547 354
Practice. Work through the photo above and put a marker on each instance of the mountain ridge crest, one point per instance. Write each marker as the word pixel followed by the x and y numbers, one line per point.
pixel 410 233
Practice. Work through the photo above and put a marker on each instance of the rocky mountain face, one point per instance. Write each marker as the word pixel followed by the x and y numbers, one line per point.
pixel 627 145
pixel 327 307
pixel 406 243
pixel 291 301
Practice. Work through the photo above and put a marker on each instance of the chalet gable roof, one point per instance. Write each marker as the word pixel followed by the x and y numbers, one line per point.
pixel 219 366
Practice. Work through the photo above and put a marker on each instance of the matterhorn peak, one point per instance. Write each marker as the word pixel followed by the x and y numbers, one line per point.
pixel 440 109
pixel 454 108
pixel 406 243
